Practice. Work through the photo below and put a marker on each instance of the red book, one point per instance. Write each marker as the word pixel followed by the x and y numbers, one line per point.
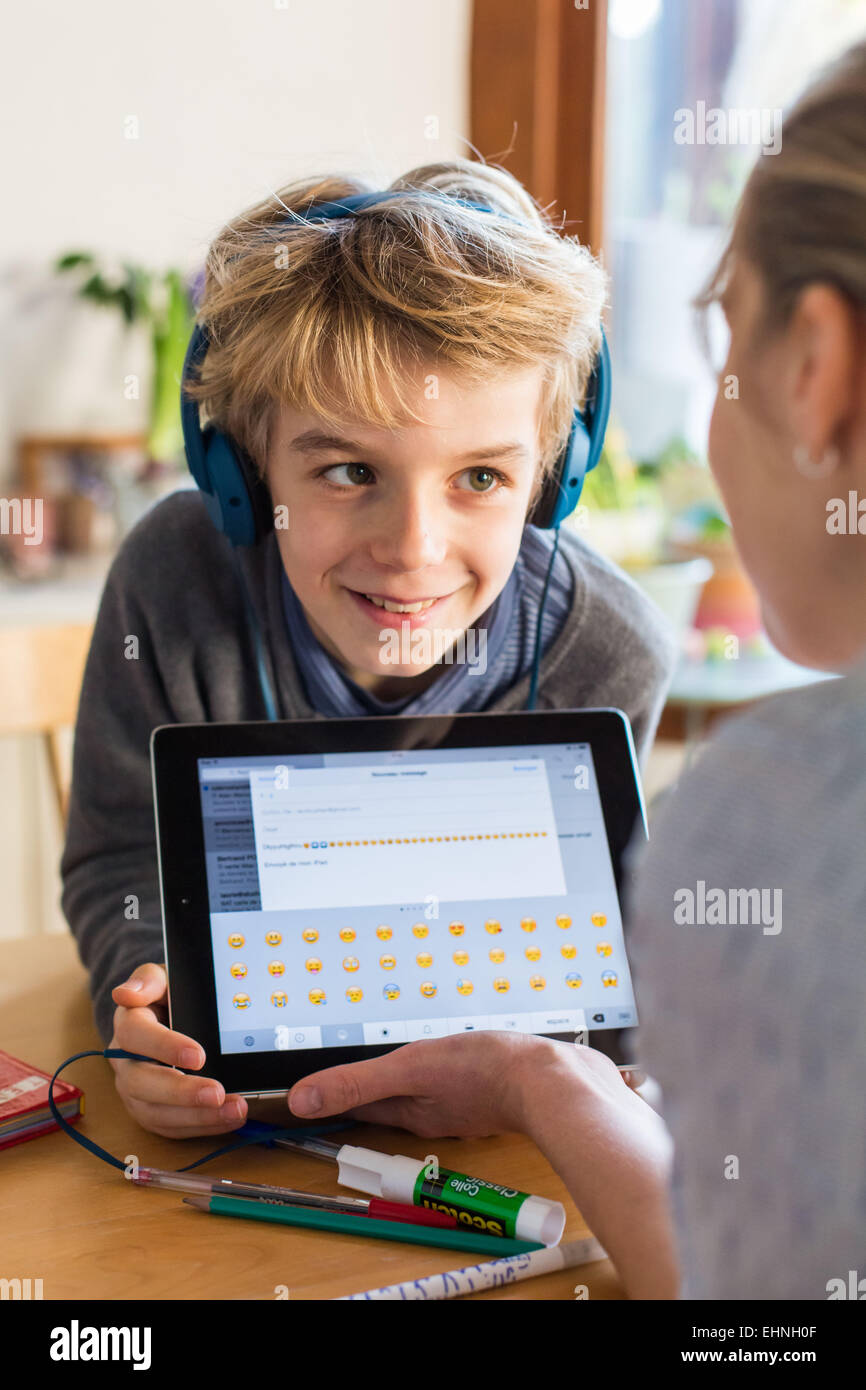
pixel 24 1109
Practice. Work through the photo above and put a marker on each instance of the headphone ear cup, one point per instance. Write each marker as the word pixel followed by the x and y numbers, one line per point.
pixel 563 485
pixel 238 501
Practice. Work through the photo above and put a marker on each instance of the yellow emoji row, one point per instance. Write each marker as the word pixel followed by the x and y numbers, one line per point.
pixel 428 990
pixel 424 959
pixel 429 839
pixel 420 930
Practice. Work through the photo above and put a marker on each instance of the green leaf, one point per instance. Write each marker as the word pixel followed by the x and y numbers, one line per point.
pixel 73 259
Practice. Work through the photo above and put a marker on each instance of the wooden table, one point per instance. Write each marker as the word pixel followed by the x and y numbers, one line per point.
pixel 77 1224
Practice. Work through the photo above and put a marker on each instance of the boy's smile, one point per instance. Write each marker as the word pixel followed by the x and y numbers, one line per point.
pixel 417 526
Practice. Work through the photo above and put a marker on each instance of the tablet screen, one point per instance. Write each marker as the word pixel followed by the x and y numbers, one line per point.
pixel 382 897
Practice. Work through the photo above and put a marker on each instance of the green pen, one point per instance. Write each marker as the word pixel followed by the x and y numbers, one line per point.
pixel 362 1226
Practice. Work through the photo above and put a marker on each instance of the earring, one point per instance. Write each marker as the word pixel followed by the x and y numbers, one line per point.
pixel 827 465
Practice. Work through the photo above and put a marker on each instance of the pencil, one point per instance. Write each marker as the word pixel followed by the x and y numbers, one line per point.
pixel 361 1226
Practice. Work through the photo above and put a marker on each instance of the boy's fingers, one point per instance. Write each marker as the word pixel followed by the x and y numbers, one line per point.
pixel 185 1123
pixel 138 1030
pixel 163 1086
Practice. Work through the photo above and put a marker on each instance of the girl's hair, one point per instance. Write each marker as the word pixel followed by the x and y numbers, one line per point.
pixel 802 214
pixel 327 316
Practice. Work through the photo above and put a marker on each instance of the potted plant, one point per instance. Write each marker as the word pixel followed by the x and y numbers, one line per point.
pixel 163 302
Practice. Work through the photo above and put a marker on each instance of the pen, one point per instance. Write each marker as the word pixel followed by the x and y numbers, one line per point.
pixel 361 1226
pixel 453 1283
pixel 264 1192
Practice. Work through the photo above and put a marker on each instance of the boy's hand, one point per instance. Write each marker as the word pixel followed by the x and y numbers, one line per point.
pixel 164 1101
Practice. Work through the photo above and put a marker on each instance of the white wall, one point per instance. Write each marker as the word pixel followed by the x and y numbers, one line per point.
pixel 233 98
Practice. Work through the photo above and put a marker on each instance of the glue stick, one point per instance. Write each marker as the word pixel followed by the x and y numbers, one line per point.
pixel 482 1206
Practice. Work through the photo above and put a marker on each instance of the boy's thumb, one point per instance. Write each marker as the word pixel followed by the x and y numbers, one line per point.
pixel 147 982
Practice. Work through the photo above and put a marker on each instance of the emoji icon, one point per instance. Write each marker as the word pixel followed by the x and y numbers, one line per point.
pixel 424 959
pixel 273 938
pixel 464 986
pixel 501 985
pixel 537 982
pixel 387 962
pixel 492 926
pixel 497 955
pixel 428 989
pixel 598 920
pixel 574 981
pixel 604 948
pixel 241 1001
pixel 456 928
pixel 420 930
pixel 310 935
pixel 236 940
pixel 533 953
pixel 391 991
pixel 608 979
pixel 239 971
pixel 569 952
pixel 528 923
pixel 316 996
pixel 350 963
pixel 276 967
pixel 384 933
pixel 347 934
pixel 563 920
pixel 280 999
pixel 314 965
pixel 460 958
pixel 354 994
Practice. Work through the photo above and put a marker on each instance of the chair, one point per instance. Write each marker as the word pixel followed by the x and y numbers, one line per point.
pixel 41 670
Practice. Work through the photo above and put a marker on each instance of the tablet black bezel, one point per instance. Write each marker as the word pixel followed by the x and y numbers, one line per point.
pixel 175 750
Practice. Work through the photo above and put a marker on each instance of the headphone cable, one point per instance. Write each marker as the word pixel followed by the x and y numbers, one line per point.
pixel 264 679
pixel 536 660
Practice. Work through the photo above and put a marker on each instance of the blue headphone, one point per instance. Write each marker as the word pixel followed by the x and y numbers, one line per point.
pixel 238 501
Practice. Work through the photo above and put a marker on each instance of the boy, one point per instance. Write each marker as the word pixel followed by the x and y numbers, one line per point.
pixel 402 379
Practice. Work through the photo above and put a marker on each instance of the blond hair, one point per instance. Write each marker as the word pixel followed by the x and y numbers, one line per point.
pixel 802 215
pixel 326 316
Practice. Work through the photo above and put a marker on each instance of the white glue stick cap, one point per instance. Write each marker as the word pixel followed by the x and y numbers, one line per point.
pixel 540 1219
pixel 390 1176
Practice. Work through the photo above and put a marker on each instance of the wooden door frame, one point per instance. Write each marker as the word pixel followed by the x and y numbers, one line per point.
pixel 537 102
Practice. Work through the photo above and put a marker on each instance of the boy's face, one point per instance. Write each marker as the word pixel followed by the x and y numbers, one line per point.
pixel 426 519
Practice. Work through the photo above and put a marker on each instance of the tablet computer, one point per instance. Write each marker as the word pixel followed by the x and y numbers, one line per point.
pixel 334 888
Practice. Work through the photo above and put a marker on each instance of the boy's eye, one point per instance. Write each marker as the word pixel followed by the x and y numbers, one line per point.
pixel 353 474
pixel 482 479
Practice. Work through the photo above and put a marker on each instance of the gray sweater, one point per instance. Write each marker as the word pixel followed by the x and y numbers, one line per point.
pixel 172 646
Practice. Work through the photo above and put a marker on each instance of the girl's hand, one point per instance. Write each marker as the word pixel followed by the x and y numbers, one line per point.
pixel 468 1086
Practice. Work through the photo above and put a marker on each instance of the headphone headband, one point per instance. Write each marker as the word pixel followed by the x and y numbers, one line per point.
pixel 236 497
